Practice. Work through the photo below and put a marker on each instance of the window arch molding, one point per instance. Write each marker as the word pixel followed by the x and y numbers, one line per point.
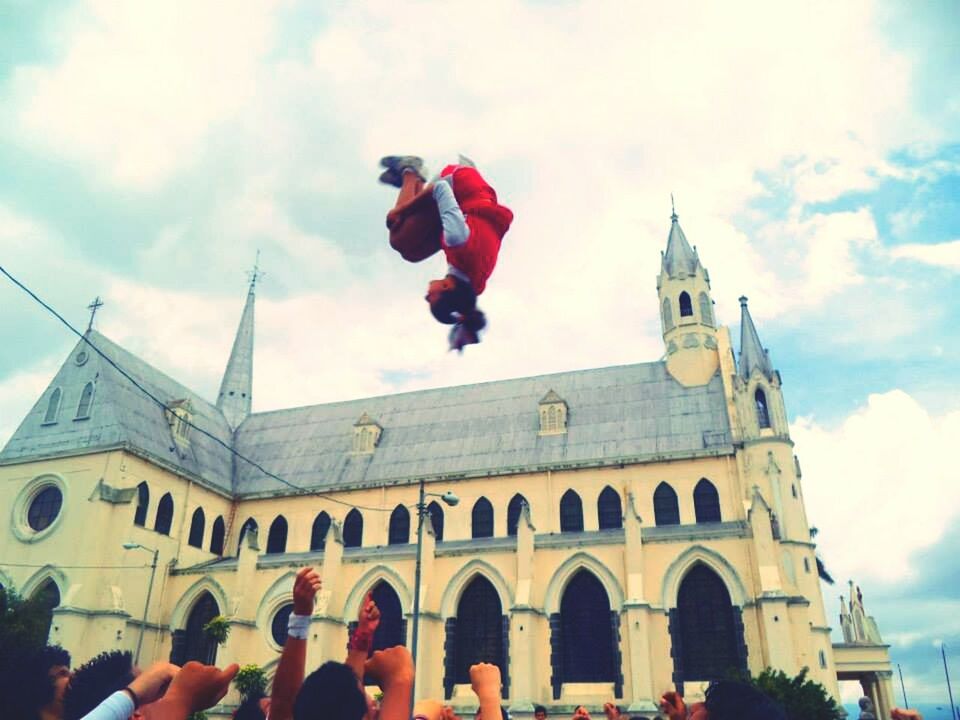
pixel 19 525
pixel 143 504
pixel 679 568
pixel 571 512
pixel 277 536
pixel 52 414
pixel 458 583
pixel 85 405
pixel 686 304
pixel 369 580
pixel 163 518
pixel 398 531
pixel 564 574
pixel 178 618
pixel 198 522
pixel 40 578
pixel 278 594
pixel 761 407
pixel 482 519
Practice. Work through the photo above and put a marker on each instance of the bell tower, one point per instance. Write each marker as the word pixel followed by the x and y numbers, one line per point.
pixel 686 311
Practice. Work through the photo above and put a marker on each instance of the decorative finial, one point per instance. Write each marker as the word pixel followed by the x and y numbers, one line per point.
pixel 255 274
pixel 673 209
pixel 93 307
pixel 743 301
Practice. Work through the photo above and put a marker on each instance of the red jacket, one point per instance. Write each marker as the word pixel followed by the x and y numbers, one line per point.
pixel 488 222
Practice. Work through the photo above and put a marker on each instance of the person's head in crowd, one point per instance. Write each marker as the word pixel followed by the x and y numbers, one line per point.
pixel 252 708
pixel 95 681
pixel 331 692
pixel 33 686
pixel 734 700
pixel 540 713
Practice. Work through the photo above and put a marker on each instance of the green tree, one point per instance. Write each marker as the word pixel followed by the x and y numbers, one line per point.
pixel 251 681
pixel 803 699
pixel 24 623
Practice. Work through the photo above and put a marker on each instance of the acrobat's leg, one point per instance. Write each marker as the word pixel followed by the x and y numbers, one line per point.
pixel 414 222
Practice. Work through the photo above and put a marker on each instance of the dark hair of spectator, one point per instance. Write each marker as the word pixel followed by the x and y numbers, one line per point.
pixel 330 692
pixel 539 708
pixel 733 700
pixel 25 682
pixel 249 709
pixel 95 681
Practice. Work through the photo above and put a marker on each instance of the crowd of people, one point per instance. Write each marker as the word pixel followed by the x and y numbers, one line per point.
pixel 111 687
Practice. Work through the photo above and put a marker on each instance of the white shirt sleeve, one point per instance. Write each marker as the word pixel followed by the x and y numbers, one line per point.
pixel 118 706
pixel 455 230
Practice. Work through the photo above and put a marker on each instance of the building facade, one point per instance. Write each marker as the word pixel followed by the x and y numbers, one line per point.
pixel 619 531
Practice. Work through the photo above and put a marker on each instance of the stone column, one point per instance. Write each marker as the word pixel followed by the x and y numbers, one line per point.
pixel 523 621
pixel 637 616
pixel 328 630
pixel 429 662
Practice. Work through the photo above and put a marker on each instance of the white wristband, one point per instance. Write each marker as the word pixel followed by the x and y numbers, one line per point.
pixel 297 626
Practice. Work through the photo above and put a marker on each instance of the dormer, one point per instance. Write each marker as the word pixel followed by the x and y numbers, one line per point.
pixel 553 414
pixel 179 416
pixel 366 435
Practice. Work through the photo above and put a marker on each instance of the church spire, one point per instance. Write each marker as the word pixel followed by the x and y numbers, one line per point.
pixel 752 354
pixel 236 388
pixel 679 256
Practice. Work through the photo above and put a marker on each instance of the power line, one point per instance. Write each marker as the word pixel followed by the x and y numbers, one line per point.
pixel 75 567
pixel 163 405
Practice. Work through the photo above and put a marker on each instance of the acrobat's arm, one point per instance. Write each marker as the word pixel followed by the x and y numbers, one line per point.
pixel 455 229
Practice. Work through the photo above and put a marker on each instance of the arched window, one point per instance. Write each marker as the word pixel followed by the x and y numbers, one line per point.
pixel 706 502
pixel 318 534
pixel 480 629
pixel 666 509
pixel 53 407
pixel 143 501
pixel 197 523
pixel 392 630
pixel 164 519
pixel 399 533
pixel 217 535
pixel 353 529
pixel 249 526
pixel 86 400
pixel 667 315
pixel 686 307
pixel 706 309
pixel 278 626
pixel 586 627
pixel 198 645
pixel 513 513
pixel 277 536
pixel 609 511
pixel 571 512
pixel 482 519
pixel 763 414
pixel 705 631
pixel 436 519
pixel 48 597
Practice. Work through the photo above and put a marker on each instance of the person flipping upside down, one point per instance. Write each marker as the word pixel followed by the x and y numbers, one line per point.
pixel 458 213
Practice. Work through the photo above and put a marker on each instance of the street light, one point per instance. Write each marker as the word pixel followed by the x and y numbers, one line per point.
pixel 146 606
pixel 449 498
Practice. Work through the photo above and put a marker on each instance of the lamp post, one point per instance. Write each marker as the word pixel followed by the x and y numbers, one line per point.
pixel 450 499
pixel 146 605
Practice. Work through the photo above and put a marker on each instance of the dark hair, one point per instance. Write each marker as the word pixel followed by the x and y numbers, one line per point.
pixel 250 709
pixel 539 708
pixel 461 298
pixel 734 700
pixel 25 682
pixel 330 692
pixel 95 681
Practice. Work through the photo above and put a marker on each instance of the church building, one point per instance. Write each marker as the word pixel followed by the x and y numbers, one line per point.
pixel 599 534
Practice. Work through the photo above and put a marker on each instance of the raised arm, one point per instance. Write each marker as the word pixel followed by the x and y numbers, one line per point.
pixel 393 670
pixel 368 620
pixel 290 669
pixel 485 680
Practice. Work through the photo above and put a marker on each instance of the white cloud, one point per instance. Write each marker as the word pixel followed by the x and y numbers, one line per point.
pixel 19 393
pixel 946 255
pixel 141 85
pixel 878 481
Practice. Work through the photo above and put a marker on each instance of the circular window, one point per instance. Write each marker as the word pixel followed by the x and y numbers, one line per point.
pixel 44 508
pixel 278 627
pixel 81 357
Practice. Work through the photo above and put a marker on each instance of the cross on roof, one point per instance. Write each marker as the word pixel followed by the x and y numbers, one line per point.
pixel 255 274
pixel 93 307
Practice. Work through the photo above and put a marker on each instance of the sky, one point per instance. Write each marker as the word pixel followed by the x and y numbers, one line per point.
pixel 149 149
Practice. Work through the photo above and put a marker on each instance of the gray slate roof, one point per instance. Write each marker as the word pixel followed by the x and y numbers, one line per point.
pixel 679 255
pixel 628 413
pixel 122 414
pixel 752 353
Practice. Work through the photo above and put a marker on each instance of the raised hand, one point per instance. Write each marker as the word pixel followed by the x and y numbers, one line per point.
pixel 485 680
pixel 305 588
pixel 197 687
pixel 611 711
pixel 369 617
pixel 150 685
pixel 672 705
pixel 898 714
pixel 390 666
pixel 580 713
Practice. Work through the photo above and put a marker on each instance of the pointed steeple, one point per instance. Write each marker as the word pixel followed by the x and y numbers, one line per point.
pixel 752 354
pixel 679 256
pixel 236 388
